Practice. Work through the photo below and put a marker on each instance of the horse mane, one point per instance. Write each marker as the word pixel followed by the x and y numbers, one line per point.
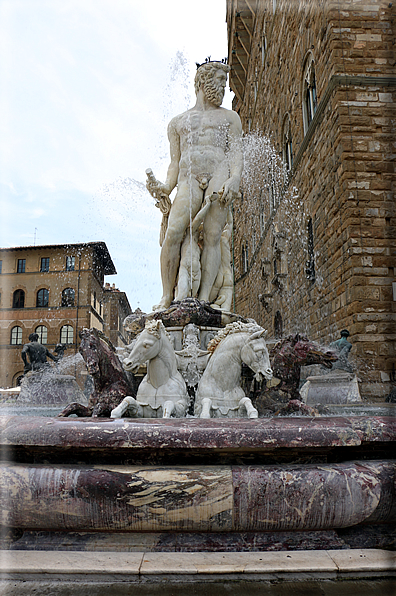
pixel 84 333
pixel 155 328
pixel 293 338
pixel 236 327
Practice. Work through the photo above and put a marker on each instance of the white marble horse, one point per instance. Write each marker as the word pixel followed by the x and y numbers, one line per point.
pixel 162 393
pixel 219 391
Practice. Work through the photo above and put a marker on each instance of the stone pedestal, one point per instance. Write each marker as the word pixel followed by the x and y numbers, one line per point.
pixel 338 387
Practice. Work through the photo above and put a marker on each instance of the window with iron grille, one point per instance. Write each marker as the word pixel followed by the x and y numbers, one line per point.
pixel 310 265
pixel 287 145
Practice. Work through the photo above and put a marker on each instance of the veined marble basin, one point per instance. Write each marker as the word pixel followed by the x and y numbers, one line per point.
pixel 198 484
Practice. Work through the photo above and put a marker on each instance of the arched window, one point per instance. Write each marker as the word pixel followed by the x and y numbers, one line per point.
pixel 278 325
pixel 42 332
pixel 68 295
pixel 309 100
pixel 18 299
pixel 287 146
pixel 66 334
pixel 42 298
pixel 16 336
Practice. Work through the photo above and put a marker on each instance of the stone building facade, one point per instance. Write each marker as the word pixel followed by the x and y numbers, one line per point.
pixel 314 232
pixel 55 291
pixel 116 308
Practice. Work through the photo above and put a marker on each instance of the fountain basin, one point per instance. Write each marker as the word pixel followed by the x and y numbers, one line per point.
pixel 198 484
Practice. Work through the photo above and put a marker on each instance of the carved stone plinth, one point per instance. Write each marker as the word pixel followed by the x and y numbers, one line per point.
pixel 338 387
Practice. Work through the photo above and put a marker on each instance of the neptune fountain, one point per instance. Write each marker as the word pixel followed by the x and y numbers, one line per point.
pixel 147 472
pixel 206 167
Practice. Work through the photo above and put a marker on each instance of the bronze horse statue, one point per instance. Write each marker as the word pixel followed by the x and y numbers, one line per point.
pixel 287 357
pixel 290 354
pixel 111 383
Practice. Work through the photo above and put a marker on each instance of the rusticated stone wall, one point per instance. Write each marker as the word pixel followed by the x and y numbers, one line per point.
pixel 342 176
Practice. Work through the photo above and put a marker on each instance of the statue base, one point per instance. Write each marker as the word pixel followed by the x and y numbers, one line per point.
pixel 338 387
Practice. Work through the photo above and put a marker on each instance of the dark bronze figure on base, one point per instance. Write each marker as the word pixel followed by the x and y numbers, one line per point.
pixel 37 354
pixel 342 347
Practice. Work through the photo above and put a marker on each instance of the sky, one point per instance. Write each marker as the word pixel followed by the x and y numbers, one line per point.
pixel 87 90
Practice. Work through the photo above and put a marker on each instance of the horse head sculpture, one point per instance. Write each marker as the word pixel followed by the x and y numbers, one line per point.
pixel 219 391
pixel 97 349
pixel 111 383
pixel 148 345
pixel 163 392
pixel 293 352
pixel 255 354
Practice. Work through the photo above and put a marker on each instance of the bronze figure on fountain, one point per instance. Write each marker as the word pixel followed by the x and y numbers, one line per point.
pixel 37 353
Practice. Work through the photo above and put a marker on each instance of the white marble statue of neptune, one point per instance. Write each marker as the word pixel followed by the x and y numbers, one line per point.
pixel 206 158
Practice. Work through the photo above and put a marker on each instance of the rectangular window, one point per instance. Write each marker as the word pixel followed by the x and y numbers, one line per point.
pixel 70 262
pixel 21 266
pixel 1 267
pixel 262 223
pixel 44 265
pixel 310 266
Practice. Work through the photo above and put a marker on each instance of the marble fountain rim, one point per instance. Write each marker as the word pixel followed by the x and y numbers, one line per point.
pixel 263 434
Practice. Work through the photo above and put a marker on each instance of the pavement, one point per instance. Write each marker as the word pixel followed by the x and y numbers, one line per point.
pixel 320 572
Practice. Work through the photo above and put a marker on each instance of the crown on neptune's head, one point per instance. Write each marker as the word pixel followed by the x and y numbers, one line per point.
pixel 208 60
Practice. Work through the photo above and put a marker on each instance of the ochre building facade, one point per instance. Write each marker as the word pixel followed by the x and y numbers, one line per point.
pixel 314 231
pixel 55 291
